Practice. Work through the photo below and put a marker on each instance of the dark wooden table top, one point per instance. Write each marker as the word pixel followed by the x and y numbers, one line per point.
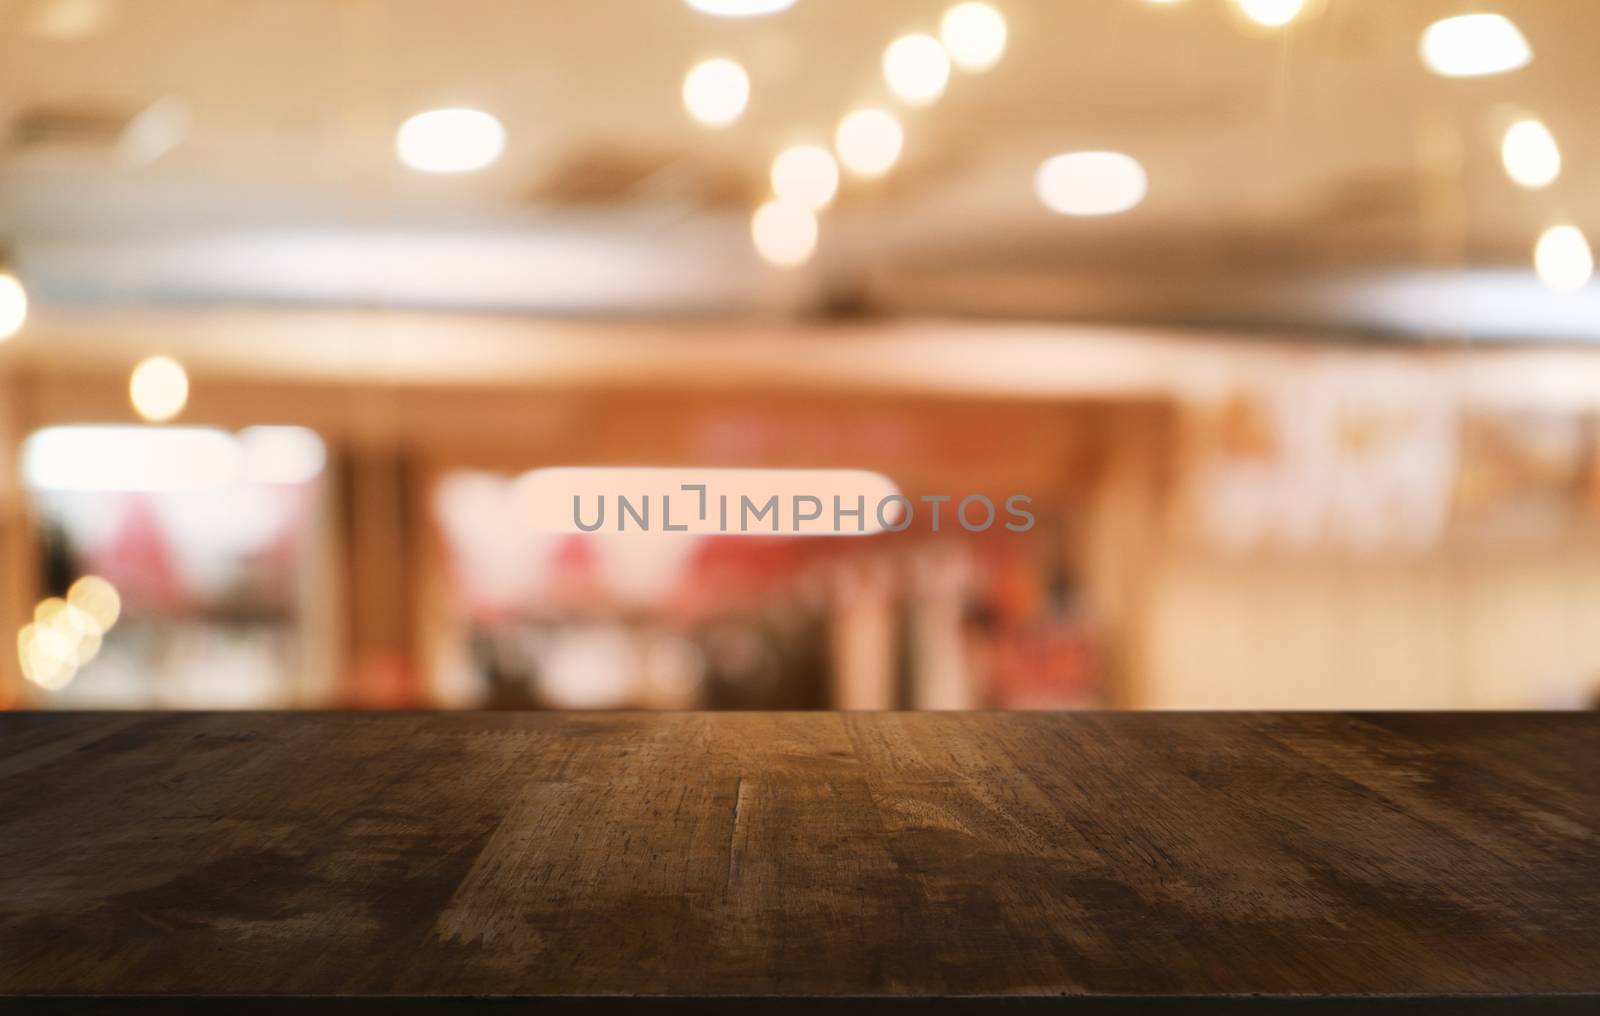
pixel 1077 862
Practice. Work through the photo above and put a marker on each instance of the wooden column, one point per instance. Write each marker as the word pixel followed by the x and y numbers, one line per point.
pixel 378 569
pixel 19 572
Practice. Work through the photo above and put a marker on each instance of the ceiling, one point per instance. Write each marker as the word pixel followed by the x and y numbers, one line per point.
pixel 1313 178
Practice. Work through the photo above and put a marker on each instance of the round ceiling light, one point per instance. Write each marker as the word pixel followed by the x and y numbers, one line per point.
pixel 1090 183
pixel 159 388
pixel 1472 45
pixel 450 141
pixel 1271 13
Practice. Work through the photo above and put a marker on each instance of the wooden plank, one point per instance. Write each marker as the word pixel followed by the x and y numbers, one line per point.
pixel 865 857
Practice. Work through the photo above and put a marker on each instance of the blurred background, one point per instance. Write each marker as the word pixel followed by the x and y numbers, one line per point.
pixel 1280 311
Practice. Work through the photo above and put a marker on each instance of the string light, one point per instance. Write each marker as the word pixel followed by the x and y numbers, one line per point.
pixel 785 233
pixel 715 92
pixel 869 141
pixel 805 175
pixel 974 34
pixel 916 68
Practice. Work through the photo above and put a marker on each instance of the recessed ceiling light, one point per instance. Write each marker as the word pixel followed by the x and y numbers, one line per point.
pixel 869 141
pixel 450 141
pixel 785 233
pixel 159 388
pixel 13 305
pixel 1563 259
pixel 1530 154
pixel 715 92
pixel 805 175
pixel 1090 183
pixel 740 8
pixel 975 35
pixel 1474 44
pixel 1271 13
pixel 916 68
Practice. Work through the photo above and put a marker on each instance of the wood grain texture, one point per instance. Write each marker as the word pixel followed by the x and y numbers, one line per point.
pixel 716 854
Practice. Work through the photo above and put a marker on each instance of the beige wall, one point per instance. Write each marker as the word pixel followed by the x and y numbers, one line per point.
pixel 1470 630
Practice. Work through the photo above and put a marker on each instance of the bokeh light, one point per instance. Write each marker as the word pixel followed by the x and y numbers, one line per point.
pixel 1472 45
pixel 739 8
pixel 785 233
pixel 98 599
pixel 46 657
pixel 1530 154
pixel 159 388
pixel 1563 259
pixel 805 175
pixel 974 33
pixel 450 141
pixel 1090 183
pixel 916 69
pixel 13 305
pixel 715 92
pixel 869 141
pixel 1271 13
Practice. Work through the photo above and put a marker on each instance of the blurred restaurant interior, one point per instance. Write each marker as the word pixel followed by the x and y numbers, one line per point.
pixel 1280 311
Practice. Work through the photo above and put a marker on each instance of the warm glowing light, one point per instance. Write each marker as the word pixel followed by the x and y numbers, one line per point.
pixel 868 142
pixel 46 657
pixel 1271 13
pixel 129 458
pixel 916 68
pixel 1474 44
pixel 974 34
pixel 1563 259
pixel 97 599
pixel 13 305
pixel 1090 183
pixel 1530 154
pixel 715 92
pixel 159 388
pixel 450 141
pixel 281 455
pixel 740 8
pixel 76 628
pixel 805 175
pixel 785 233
